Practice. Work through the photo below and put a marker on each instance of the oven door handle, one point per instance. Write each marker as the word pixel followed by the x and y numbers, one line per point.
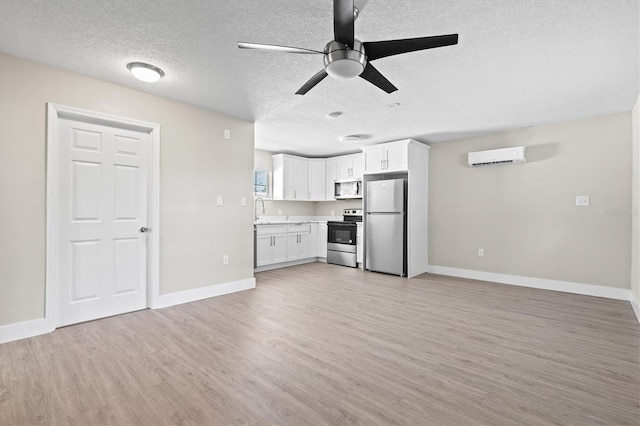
pixel 346 225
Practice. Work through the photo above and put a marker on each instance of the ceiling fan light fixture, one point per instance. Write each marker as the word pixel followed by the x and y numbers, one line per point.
pixel 342 62
pixel 145 72
pixel 344 69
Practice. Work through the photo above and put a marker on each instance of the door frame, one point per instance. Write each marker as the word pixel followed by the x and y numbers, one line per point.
pixel 56 112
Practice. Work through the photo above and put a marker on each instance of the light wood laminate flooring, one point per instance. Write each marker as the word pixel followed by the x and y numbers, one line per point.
pixel 325 344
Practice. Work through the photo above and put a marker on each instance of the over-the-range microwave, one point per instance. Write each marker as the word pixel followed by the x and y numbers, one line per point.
pixel 347 188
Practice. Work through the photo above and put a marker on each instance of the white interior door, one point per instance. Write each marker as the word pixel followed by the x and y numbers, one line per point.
pixel 101 187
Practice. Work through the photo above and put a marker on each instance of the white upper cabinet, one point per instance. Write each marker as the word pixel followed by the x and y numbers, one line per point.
pixel 317 180
pixel 344 165
pixel 358 166
pixel 331 176
pixel 387 157
pixel 350 166
pixel 286 177
pixel 300 179
pixel 312 179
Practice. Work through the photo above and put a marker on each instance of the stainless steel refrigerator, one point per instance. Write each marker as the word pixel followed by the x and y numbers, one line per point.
pixel 385 226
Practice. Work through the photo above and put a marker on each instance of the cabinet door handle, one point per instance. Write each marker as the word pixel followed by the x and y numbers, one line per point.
pixel 273 240
pixel 308 195
pixel 294 194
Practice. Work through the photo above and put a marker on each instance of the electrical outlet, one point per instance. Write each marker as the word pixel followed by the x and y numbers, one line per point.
pixel 582 201
pixel 279 212
pixel 225 259
pixel 480 252
pixel 333 212
pixel 219 200
pixel 243 201
pixel 227 134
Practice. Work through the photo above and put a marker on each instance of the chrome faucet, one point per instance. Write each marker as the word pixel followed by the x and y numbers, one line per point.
pixel 255 207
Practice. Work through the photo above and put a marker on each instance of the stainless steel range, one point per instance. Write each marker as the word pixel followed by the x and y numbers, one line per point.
pixel 341 238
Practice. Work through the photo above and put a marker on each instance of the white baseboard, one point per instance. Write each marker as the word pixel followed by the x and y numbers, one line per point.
pixel 636 307
pixel 286 264
pixel 541 283
pixel 186 296
pixel 23 330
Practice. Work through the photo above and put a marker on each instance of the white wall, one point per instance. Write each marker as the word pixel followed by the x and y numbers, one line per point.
pixel 524 216
pixel 635 210
pixel 197 164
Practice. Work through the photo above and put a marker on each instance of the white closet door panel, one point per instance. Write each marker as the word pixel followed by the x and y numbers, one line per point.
pixel 85 271
pixel 126 192
pixel 83 139
pixel 86 181
pixel 126 269
pixel 101 187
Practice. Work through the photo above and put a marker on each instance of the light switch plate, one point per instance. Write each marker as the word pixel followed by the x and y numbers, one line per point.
pixel 227 134
pixel 582 201
pixel 243 201
pixel 219 200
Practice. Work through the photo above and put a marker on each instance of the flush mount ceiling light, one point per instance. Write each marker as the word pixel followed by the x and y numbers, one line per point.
pixel 335 114
pixel 145 72
pixel 353 138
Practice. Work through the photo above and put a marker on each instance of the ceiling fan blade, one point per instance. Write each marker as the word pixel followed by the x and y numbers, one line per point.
pixel 276 48
pixel 312 82
pixel 373 76
pixel 343 21
pixel 381 49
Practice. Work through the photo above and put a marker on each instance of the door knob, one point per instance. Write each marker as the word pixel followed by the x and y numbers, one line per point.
pixel 144 229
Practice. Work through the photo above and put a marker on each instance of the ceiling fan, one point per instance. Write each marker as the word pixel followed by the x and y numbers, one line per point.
pixel 346 57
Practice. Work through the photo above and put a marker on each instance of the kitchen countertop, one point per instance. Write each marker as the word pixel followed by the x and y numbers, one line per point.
pixel 284 220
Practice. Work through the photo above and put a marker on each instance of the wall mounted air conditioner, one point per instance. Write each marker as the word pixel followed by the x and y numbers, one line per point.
pixel 498 156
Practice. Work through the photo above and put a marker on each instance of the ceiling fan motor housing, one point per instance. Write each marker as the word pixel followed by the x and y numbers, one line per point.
pixel 340 61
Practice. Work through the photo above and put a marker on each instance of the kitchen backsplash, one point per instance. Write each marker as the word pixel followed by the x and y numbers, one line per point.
pixel 325 208
pixel 306 208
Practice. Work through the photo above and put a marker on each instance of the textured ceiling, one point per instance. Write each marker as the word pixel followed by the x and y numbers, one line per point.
pixel 518 63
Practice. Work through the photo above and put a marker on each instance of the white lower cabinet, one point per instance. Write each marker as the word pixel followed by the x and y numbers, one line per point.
pixel 313 240
pixel 271 245
pixel 279 253
pixel 264 252
pixel 298 246
pixel 298 236
pixel 323 231
pixel 285 243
